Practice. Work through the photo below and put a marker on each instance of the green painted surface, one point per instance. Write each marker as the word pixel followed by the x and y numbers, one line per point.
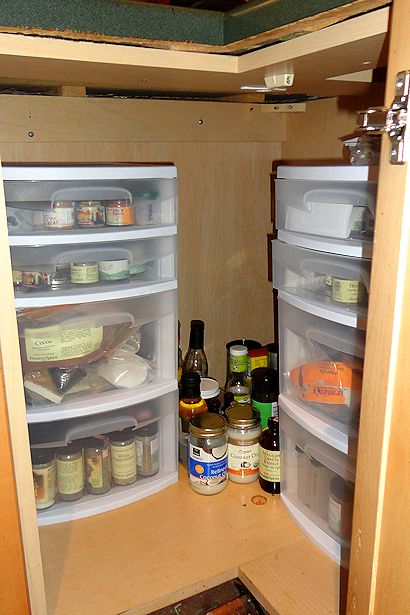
pixel 152 21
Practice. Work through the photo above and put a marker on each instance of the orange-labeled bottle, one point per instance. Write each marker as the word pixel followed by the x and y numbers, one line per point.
pixel 191 402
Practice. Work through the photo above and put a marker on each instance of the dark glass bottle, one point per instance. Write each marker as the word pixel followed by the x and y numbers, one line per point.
pixel 265 391
pixel 179 353
pixel 191 402
pixel 195 359
pixel 269 458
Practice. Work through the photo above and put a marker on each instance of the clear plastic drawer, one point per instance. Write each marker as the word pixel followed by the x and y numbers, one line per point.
pixel 339 282
pixel 318 481
pixel 321 363
pixel 94 357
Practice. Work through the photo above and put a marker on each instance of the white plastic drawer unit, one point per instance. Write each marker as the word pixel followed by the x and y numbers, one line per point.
pixel 336 202
pixel 321 361
pixel 317 484
pixel 88 202
pixel 340 283
pixel 92 357
pixel 157 413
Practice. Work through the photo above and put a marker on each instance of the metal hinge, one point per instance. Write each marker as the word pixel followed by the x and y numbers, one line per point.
pixel 393 121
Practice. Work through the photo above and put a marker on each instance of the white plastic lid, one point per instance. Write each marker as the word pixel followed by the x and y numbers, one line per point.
pixel 328 173
pixel 209 388
pixel 238 351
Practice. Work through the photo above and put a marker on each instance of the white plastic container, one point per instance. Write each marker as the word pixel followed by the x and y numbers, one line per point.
pixel 308 467
pixel 321 360
pixel 338 282
pixel 336 202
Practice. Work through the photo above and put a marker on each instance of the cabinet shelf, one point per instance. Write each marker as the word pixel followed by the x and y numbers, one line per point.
pixel 101 402
pixel 104 292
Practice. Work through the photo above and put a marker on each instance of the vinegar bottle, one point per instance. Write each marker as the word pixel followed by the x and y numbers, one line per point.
pixel 195 359
pixel 269 457
pixel 191 402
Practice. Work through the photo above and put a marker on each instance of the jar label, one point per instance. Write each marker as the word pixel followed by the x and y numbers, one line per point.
pixel 90 215
pixel 124 461
pixel 147 454
pixel 84 274
pixel 60 217
pixel 335 516
pixel 54 344
pixel 209 469
pixel 269 465
pixel 70 475
pixel 266 410
pixel 94 470
pixel 45 486
pixel 114 270
pixel 243 460
pixel 347 291
pixel 17 277
pixel 119 215
pixel 238 364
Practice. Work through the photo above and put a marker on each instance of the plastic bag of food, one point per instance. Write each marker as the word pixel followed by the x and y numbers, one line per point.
pixel 125 369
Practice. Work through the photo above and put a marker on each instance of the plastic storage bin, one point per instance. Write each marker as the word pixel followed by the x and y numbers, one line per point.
pixel 44 201
pixel 338 282
pixel 321 362
pixel 317 485
pixel 159 413
pixel 92 357
pixel 336 202
pixel 53 274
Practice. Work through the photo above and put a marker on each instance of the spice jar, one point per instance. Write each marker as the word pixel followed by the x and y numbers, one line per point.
pixel 348 291
pixel 61 276
pixel 147 444
pixel 60 216
pixel 44 477
pixel 119 213
pixel 209 388
pixel 341 506
pixel 36 279
pixel 70 472
pixel 17 278
pixel 114 270
pixel 244 429
pixel 97 465
pixel 90 214
pixel 123 457
pixel 84 273
pixel 208 453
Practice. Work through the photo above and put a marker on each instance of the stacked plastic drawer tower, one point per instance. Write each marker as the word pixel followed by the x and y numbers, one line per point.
pixel 321 269
pixel 96 301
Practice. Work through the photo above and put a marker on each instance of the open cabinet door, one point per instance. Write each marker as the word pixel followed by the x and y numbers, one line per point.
pixel 21 585
pixel 380 553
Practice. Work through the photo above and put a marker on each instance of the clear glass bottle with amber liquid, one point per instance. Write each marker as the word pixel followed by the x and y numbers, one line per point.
pixel 195 359
pixel 269 457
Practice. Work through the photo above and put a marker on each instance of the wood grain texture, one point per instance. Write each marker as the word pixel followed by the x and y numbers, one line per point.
pixel 380 548
pixel 13 587
pixel 224 206
pixel 159 550
pixel 17 426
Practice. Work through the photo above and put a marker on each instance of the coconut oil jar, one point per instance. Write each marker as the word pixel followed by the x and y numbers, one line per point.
pixel 244 429
pixel 208 453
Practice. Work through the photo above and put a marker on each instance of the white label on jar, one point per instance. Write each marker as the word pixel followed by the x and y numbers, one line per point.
pixel 269 465
pixel 347 291
pixel 206 469
pixel 124 461
pixel 61 217
pixel 84 274
pixel 335 515
pixel 55 344
pixel 70 475
pixel 243 460
pixel 114 270
pixel 44 486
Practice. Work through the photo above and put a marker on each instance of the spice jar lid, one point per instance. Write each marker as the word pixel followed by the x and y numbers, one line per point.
pixel 71 449
pixel 209 388
pixel 238 351
pixel 243 415
pixel 147 430
pixel 340 488
pixel 97 442
pixel 207 425
pixel 41 455
pixel 121 436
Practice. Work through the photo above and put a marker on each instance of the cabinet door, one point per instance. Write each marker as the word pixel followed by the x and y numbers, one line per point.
pixel 24 547
pixel 380 555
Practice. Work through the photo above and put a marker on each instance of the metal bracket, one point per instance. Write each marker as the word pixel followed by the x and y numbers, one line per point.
pixel 393 120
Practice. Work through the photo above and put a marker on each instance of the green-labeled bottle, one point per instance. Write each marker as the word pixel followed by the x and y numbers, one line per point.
pixel 237 382
pixel 269 457
pixel 265 391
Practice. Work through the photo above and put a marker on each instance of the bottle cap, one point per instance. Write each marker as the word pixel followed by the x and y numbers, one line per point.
pixel 147 430
pixel 190 383
pixel 249 344
pixel 209 388
pixel 42 455
pixel 207 425
pixel 238 351
pixel 242 416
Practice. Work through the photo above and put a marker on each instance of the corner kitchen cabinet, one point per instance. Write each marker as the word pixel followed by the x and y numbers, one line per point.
pixel 84 560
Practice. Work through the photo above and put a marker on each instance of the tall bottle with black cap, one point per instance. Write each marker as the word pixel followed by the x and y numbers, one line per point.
pixel 195 359
pixel 265 391
pixel 191 402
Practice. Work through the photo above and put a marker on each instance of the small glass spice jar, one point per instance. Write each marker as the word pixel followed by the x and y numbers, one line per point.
pixel 84 273
pixel 210 393
pixel 70 472
pixel 44 477
pixel 97 465
pixel 90 214
pixel 119 213
pixel 341 506
pixel 208 453
pixel 244 429
pixel 60 216
pixel 147 444
pixel 123 457
pixel 348 291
